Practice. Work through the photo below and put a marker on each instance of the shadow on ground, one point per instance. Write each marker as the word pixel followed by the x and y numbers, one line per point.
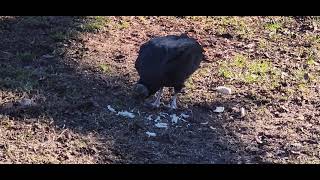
pixel 36 63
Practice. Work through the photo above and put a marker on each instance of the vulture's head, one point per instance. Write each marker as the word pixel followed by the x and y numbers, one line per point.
pixel 141 91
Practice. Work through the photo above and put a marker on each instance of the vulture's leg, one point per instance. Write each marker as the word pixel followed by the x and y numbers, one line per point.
pixel 156 103
pixel 173 104
pixel 177 90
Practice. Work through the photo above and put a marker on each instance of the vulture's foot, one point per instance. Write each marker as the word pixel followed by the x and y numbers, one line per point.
pixel 156 103
pixel 173 104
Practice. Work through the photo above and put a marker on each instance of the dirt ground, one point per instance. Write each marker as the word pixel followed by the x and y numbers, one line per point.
pixel 59 74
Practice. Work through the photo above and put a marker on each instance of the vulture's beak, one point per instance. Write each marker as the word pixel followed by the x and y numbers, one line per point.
pixel 140 91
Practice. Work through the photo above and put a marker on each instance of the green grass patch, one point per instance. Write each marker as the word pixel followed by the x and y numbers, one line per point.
pixel 250 71
pixel 17 78
pixel 105 68
pixel 95 23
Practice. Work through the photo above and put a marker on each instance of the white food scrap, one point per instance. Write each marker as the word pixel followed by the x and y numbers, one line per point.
pixel 151 134
pixel 157 119
pixel 111 109
pixel 161 125
pixel 184 115
pixel 219 109
pixel 126 114
pixel 149 118
pixel 162 114
pixel 174 118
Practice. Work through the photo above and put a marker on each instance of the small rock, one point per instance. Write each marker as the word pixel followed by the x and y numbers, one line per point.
pixel 259 141
pixel 296 145
pixel 284 75
pixel 283 108
pixel 295 152
pixel 205 123
pixel 242 112
pixel 151 134
pixel 277 114
pixel 219 109
pixel 250 46
pixel 223 90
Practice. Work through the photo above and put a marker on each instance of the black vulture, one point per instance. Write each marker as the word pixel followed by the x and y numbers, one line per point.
pixel 166 61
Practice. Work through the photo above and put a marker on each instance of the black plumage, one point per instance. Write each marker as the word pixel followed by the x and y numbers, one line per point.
pixel 167 62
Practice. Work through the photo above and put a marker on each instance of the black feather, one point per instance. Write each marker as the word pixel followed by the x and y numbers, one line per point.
pixel 168 61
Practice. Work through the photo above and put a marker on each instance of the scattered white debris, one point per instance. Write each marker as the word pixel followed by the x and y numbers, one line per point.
pixel 250 46
pixel 111 109
pixel 162 114
pixel 296 144
pixel 219 109
pixel 258 139
pixel 126 114
pixel 242 112
pixel 161 125
pixel 284 74
pixel 284 108
pixel 174 118
pixel 205 123
pixel 183 120
pixel 151 134
pixel 223 90
pixel 295 152
pixel 157 119
pixel 184 115
pixel 149 118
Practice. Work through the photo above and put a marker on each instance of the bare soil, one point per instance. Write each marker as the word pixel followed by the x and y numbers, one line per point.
pixel 59 74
